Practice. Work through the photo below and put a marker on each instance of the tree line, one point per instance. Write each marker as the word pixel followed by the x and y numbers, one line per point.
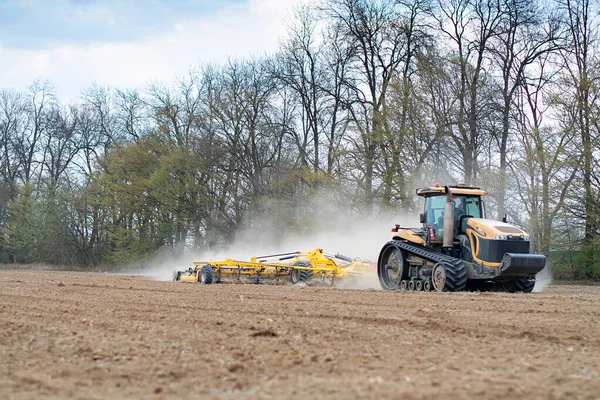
pixel 363 101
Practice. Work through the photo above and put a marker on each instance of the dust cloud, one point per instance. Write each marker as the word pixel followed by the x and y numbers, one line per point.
pixel 543 279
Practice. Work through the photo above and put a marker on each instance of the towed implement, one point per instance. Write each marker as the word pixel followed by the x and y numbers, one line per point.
pixel 457 248
pixel 296 266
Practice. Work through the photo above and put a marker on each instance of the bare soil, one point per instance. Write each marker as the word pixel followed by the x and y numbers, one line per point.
pixel 98 336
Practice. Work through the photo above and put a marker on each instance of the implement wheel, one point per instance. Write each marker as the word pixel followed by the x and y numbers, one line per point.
pixel 392 267
pixel 301 275
pixel 206 274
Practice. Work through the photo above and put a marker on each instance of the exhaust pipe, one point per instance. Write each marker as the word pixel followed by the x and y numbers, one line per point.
pixel 448 221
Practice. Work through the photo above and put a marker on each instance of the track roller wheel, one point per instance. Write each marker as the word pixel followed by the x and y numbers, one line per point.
pixel 419 285
pixel 411 285
pixel 206 274
pixel 404 285
pixel 301 275
pixel 449 277
pixel 392 267
pixel 427 285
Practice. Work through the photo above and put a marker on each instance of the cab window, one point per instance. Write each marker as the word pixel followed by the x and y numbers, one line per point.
pixel 435 211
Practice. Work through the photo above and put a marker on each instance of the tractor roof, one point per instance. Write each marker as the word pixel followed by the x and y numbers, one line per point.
pixel 460 188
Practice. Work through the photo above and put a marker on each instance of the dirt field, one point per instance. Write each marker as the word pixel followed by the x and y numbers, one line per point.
pixel 92 335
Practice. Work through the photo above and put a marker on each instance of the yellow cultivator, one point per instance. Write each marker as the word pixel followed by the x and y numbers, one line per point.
pixel 298 266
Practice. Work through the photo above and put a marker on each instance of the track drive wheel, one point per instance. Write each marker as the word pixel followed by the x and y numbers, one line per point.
pixel 301 275
pixel 392 267
pixel 449 277
pixel 206 274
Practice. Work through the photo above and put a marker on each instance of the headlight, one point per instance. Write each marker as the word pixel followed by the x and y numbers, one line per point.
pixel 526 238
pixel 499 237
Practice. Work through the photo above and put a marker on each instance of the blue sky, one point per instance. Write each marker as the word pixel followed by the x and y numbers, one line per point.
pixel 44 23
pixel 129 43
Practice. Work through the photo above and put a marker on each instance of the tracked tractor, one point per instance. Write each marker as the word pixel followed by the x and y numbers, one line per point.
pixel 457 248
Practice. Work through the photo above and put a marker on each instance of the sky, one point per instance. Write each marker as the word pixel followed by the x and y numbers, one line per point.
pixel 129 43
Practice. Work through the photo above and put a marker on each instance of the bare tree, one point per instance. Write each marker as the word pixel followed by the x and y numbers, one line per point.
pixel 523 38
pixel 299 68
pixel 131 115
pixel 60 143
pixel 579 104
pixel 13 123
pixel 176 109
pixel 470 25
pixel 99 101
pixel 337 60
pixel 39 100
pixel 546 163
pixel 373 26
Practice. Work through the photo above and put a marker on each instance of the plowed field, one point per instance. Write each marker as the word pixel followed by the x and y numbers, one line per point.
pixel 101 336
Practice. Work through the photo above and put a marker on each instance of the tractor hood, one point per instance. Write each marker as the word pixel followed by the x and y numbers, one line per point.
pixel 491 242
pixel 490 229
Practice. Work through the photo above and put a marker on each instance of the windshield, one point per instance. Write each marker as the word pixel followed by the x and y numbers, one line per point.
pixel 467 205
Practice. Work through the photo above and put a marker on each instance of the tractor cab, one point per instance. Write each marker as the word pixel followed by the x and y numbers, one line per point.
pixel 466 202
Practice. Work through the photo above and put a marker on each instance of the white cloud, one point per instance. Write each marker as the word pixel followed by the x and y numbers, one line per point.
pixel 236 31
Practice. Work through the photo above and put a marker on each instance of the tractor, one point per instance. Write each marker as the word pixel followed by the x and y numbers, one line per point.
pixel 457 248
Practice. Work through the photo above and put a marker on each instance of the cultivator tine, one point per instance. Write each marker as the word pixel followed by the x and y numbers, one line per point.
pixel 257 277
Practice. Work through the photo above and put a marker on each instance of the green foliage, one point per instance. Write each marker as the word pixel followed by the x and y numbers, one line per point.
pixel 24 215
pixel 151 196
pixel 37 230
pixel 590 260
pixel 576 265
pixel 181 194
pixel 123 191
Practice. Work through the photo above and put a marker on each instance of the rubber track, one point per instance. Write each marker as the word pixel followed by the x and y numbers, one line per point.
pixel 456 271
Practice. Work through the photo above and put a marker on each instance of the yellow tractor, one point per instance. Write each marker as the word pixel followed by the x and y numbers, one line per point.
pixel 457 248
